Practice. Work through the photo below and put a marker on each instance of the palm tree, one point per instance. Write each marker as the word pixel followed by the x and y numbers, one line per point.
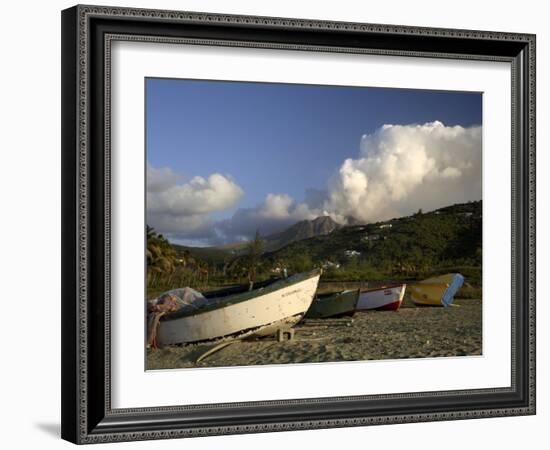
pixel 255 250
pixel 161 256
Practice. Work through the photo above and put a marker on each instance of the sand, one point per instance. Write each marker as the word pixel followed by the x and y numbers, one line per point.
pixel 410 332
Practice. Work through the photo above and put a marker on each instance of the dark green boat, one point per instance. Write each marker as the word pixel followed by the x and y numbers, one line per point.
pixel 333 304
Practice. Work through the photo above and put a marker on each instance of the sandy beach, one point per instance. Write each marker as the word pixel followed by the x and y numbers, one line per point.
pixel 410 332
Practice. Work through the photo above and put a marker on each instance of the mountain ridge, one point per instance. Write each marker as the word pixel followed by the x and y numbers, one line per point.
pixel 305 229
pixel 449 236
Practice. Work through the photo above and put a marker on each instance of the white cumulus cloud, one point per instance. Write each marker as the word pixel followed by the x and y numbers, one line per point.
pixel 275 213
pixel 402 168
pixel 160 179
pixel 399 169
pixel 176 207
pixel 282 207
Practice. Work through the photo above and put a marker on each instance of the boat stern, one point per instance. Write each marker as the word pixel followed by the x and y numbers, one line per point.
pixel 454 286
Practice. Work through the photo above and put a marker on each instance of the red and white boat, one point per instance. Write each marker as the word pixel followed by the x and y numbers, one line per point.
pixel 385 298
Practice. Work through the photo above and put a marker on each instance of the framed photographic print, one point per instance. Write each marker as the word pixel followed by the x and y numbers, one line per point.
pixel 280 224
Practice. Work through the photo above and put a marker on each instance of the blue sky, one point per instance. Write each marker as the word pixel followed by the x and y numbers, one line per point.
pixel 280 138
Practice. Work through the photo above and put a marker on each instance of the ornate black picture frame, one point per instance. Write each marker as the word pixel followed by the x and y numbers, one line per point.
pixel 87 34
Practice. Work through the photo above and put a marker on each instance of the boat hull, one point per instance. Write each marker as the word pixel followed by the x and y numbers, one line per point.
pixel 281 305
pixel 387 298
pixel 336 304
pixel 436 291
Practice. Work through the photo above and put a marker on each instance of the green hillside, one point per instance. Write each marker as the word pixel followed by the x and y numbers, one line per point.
pixel 211 255
pixel 407 248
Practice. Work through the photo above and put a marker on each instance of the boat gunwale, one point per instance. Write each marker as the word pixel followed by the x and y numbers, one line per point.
pixel 391 286
pixel 429 285
pixel 430 280
pixel 328 295
pixel 243 296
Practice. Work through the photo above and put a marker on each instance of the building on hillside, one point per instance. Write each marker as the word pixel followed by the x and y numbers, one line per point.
pixel 371 237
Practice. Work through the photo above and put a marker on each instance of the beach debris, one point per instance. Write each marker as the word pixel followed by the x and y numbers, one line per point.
pixel 285 334
pixel 309 339
pixel 324 323
pixel 215 349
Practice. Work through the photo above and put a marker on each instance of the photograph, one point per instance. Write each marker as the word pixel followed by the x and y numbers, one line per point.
pixel 273 222
pixel 300 223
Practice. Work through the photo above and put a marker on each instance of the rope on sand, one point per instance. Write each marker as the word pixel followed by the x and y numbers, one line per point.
pixel 215 349
pixel 152 328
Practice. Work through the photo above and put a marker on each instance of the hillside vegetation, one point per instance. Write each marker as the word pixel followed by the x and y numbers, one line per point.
pixel 407 248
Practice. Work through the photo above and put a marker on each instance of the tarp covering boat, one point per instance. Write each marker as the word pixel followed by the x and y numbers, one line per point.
pixel 187 299
pixel 436 291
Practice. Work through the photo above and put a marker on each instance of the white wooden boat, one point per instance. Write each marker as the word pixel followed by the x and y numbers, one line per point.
pixel 386 298
pixel 238 312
